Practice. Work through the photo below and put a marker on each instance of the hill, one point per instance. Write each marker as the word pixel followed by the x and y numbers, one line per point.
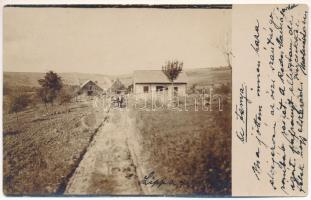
pixel 199 76
pixel 30 79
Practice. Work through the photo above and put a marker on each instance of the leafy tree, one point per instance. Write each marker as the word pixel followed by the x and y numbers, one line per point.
pixel 117 85
pixel 172 69
pixel 51 84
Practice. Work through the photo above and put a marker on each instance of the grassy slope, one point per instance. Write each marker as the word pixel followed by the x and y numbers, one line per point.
pixel 41 150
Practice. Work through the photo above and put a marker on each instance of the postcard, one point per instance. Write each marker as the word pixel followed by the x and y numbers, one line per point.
pixel 154 100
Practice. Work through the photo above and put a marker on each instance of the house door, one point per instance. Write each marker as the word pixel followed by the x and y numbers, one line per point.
pixel 175 91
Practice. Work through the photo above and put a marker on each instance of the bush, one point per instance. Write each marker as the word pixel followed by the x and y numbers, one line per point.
pixel 18 103
pixel 65 97
pixel 47 96
pixel 223 89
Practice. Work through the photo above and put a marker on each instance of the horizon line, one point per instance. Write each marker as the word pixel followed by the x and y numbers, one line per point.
pixel 185 69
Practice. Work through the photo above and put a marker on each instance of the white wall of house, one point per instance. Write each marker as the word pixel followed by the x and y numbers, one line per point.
pixel 152 87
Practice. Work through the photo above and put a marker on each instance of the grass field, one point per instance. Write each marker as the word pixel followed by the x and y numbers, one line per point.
pixel 188 147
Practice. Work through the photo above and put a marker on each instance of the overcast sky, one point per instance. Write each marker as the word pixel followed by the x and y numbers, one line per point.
pixel 113 40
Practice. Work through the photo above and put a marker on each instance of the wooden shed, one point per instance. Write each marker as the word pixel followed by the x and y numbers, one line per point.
pixel 90 88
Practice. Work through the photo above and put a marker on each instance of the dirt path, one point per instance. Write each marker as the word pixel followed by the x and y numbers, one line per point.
pixel 108 166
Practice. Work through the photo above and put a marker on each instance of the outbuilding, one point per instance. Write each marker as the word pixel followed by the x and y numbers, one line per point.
pixel 90 88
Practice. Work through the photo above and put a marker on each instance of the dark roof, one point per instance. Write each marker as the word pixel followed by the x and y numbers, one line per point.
pixel 86 82
pixel 156 76
pixel 89 81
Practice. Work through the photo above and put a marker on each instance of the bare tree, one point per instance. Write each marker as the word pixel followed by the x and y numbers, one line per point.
pixel 172 69
pixel 226 50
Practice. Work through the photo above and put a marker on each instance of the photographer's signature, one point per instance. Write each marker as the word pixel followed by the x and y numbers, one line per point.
pixel 153 181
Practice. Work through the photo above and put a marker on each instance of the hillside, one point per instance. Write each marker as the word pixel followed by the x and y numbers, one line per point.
pixel 208 76
pixel 31 78
pixel 200 76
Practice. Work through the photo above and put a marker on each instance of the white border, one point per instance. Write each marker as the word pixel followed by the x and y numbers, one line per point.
pixel 45 2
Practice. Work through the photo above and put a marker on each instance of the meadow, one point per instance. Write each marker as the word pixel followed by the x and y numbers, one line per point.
pixel 190 148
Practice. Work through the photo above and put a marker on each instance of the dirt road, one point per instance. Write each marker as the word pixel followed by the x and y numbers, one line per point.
pixel 108 167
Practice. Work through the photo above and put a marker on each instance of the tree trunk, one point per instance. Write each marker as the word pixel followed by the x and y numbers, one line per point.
pixel 172 97
pixel 16 118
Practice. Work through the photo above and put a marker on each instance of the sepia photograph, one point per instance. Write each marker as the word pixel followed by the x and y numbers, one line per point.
pixel 103 100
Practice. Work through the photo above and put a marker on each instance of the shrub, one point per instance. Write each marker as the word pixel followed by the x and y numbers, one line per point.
pixel 223 89
pixel 65 96
pixel 18 103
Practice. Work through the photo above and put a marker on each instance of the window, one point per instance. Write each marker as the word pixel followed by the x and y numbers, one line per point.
pixel 159 88
pixel 146 89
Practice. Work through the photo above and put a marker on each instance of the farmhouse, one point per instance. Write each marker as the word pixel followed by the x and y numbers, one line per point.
pixel 90 88
pixel 147 81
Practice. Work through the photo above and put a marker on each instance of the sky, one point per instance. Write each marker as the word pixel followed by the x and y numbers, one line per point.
pixel 113 40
